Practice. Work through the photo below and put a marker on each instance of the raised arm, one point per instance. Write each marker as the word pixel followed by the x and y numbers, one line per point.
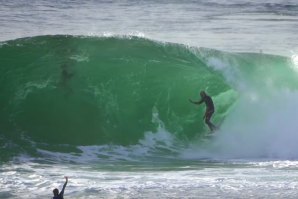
pixel 66 180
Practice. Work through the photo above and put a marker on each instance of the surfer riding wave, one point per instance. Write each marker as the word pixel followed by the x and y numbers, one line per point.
pixel 209 109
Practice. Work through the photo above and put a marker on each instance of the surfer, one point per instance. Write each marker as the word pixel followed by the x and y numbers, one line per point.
pixel 56 193
pixel 66 75
pixel 209 108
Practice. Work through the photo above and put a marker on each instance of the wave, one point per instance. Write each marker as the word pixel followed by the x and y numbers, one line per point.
pixel 113 90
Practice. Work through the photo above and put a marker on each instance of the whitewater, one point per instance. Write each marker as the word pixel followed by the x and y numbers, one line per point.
pixel 99 92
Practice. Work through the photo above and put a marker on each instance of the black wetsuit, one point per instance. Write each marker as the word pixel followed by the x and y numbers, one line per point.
pixel 209 111
pixel 60 195
pixel 209 103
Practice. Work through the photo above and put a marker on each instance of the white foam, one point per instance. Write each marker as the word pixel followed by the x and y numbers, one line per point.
pixel 154 144
pixel 33 180
pixel 261 126
pixel 263 120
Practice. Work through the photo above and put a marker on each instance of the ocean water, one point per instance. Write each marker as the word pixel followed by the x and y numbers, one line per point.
pixel 98 91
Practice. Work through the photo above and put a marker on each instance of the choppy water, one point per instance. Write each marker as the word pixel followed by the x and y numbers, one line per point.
pixel 224 25
pixel 98 91
pixel 276 179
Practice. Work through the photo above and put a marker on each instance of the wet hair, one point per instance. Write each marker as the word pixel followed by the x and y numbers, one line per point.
pixel 56 192
pixel 202 93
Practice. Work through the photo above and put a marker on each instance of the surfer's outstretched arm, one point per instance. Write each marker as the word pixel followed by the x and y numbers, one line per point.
pixel 66 180
pixel 56 193
pixel 198 102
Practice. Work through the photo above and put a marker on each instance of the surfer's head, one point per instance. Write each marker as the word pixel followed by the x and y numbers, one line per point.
pixel 56 192
pixel 202 93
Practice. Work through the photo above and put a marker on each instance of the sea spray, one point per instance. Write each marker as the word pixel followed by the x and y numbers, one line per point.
pixel 262 123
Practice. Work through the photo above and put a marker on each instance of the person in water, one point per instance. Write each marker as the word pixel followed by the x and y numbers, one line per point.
pixel 66 75
pixel 209 109
pixel 56 193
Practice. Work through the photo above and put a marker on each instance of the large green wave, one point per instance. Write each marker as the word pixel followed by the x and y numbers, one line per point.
pixel 99 90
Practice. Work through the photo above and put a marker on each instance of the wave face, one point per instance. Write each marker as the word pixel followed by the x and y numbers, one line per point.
pixel 100 90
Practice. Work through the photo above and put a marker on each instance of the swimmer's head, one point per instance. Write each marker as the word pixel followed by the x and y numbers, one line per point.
pixel 56 192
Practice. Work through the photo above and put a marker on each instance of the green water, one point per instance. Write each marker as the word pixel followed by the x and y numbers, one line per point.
pixel 101 90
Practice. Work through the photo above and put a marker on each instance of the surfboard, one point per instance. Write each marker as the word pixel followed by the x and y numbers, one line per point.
pixel 209 136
